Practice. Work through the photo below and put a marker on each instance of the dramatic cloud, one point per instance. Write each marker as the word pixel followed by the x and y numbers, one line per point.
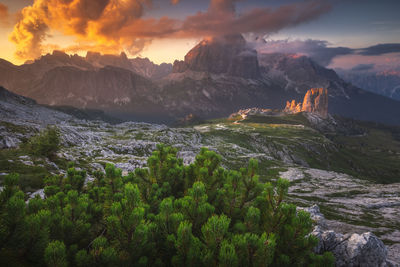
pixel 379 49
pixel 316 49
pixel 3 15
pixel 92 21
pixel 321 51
pixel 115 25
pixel 222 19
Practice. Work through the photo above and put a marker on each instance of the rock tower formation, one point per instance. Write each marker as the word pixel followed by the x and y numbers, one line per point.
pixel 315 101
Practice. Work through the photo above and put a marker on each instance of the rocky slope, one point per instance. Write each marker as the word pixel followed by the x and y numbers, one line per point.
pixel 108 88
pixel 283 148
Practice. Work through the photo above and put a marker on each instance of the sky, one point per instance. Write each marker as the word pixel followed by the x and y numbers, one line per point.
pixel 336 33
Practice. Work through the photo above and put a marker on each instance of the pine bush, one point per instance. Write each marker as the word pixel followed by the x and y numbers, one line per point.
pixel 166 214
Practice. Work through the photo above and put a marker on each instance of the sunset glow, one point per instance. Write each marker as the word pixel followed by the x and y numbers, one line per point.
pixel 166 30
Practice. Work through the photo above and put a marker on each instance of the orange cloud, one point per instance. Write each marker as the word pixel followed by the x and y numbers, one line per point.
pixel 97 22
pixel 115 25
pixel 3 15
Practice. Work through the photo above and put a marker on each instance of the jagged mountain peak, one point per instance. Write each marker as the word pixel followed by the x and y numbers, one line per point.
pixel 298 73
pixel 58 56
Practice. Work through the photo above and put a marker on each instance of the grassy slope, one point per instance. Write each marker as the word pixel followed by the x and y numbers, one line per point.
pixel 374 156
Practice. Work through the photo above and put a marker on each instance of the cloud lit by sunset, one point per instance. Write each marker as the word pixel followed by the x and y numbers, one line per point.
pixel 111 26
pixel 161 30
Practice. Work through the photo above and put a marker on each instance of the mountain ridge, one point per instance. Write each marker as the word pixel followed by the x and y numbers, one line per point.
pixel 218 77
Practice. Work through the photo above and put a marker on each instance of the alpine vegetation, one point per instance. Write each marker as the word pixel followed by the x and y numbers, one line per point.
pixel 166 214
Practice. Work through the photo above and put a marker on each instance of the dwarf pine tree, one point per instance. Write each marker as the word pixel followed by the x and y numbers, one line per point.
pixel 46 143
pixel 167 214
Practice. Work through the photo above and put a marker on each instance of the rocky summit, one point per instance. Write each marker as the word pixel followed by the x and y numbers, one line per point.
pixel 315 101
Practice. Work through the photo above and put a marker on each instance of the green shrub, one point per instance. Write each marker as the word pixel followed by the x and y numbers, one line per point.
pixel 55 254
pixel 46 143
pixel 165 215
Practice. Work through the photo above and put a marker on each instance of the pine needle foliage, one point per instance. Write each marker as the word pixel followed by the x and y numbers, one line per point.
pixel 166 214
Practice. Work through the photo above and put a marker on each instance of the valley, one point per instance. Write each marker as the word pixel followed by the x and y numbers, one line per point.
pixel 348 168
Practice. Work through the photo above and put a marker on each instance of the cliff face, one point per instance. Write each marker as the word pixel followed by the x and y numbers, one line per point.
pixel 315 101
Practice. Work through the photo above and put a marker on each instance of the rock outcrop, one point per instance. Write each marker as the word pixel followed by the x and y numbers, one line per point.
pixel 243 113
pixel 221 55
pixel 349 249
pixel 293 107
pixel 315 101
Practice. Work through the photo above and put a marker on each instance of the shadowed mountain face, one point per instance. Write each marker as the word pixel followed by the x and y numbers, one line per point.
pixel 385 83
pixel 95 82
pixel 217 77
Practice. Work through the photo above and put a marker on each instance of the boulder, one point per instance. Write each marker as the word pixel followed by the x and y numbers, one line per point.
pixel 365 249
pixel 9 142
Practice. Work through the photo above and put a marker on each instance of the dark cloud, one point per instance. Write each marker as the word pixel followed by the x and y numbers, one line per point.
pixel 219 6
pixel 379 49
pixel 363 67
pixel 221 19
pixel 318 50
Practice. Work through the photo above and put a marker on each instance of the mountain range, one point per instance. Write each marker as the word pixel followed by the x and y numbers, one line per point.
pixel 217 77
pixel 383 82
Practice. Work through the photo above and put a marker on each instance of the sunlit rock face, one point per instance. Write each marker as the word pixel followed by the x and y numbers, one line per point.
pixel 221 55
pixel 315 101
pixel 293 107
